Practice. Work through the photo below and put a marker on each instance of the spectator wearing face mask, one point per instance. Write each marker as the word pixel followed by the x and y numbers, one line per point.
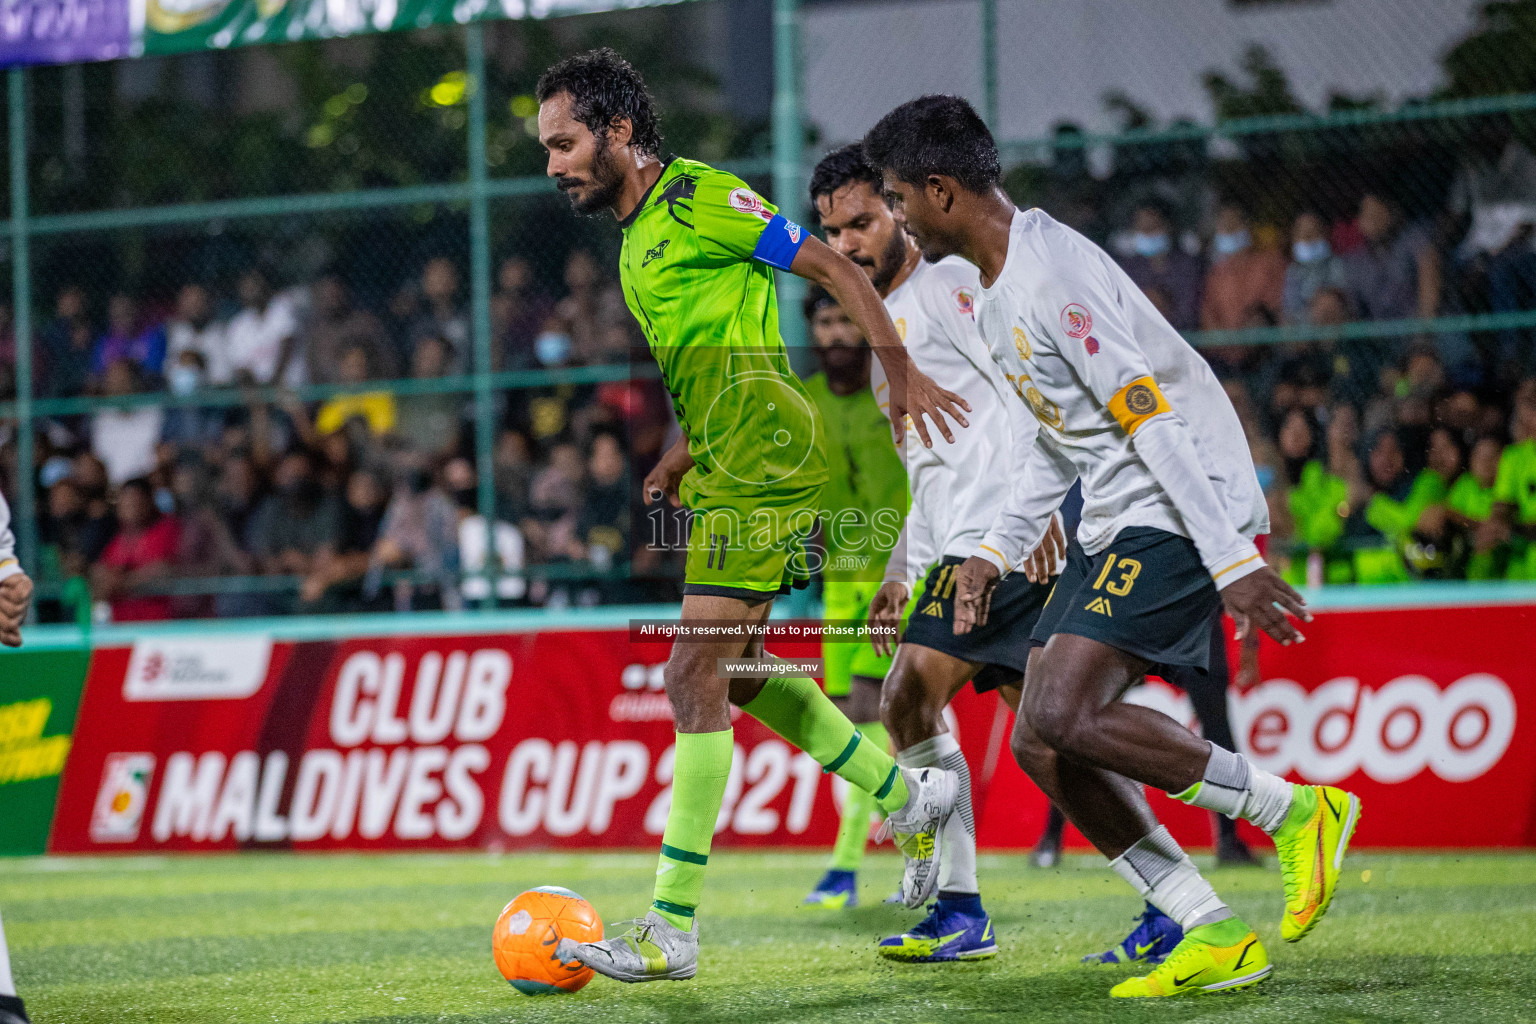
pixel 190 426
pixel 1313 267
pixel 1242 277
pixel 1157 263
pixel 195 329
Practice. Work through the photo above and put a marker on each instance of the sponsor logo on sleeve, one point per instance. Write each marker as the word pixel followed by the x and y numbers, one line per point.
pixel 965 301
pixel 747 201
pixel 212 668
pixel 793 230
pixel 121 798
pixel 1076 321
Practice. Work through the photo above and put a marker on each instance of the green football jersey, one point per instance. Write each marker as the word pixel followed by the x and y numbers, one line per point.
pixel 697 270
pixel 865 500
pixel 1515 483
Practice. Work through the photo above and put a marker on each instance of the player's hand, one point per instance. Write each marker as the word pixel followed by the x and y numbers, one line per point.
pixel 1252 602
pixel 662 481
pixel 974 582
pixel 15 596
pixel 918 396
pixel 885 616
pixel 1048 554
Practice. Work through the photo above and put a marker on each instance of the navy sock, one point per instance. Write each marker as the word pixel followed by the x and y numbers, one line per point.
pixel 957 904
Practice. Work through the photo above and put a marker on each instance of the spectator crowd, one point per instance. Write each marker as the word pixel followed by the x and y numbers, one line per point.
pixel 1385 456
pixel 365 500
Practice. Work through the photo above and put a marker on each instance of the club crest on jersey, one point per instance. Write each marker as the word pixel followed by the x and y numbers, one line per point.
pixel 965 301
pixel 1092 345
pixel 747 201
pixel 1076 321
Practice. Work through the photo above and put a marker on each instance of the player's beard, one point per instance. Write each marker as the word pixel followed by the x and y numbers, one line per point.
pixel 889 264
pixel 607 179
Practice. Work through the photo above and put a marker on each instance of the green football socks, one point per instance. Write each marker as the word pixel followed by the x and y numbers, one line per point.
pixel 701 767
pixel 858 807
pixel 797 710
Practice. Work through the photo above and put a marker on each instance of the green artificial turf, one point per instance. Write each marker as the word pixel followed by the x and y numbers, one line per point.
pixel 407 939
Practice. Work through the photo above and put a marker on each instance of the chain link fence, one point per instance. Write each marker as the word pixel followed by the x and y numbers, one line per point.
pixel 292 348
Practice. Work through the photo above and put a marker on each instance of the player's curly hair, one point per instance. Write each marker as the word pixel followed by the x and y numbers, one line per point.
pixel 604 86
pixel 936 135
pixel 843 166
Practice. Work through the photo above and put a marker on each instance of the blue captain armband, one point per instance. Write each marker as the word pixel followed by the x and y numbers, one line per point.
pixel 779 242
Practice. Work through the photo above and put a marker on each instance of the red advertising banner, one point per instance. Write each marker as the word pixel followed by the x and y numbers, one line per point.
pixel 204 742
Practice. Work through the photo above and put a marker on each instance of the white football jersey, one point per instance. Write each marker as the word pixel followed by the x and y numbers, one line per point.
pixel 1123 402
pixel 957 489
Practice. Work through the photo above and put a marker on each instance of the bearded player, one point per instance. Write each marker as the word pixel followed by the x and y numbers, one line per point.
pixel 1171 508
pixel 955 496
pixel 696 266
pixel 864 503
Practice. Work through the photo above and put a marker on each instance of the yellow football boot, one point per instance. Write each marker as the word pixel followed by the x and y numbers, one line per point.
pixel 1311 845
pixel 1196 965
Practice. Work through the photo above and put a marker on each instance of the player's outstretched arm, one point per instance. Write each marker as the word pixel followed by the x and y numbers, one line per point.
pixel 913 392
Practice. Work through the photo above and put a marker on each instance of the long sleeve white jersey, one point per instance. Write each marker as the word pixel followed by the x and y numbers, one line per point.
pixel 1124 403
pixel 957 488
pixel 8 564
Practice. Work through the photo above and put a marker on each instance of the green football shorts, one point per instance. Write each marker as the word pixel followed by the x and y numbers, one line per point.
pixel 751 547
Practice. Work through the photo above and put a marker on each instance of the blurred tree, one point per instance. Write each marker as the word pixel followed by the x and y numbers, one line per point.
pixel 1499 57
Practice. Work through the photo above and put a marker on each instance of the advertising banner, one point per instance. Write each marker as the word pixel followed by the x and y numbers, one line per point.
pixel 63 31
pixel 564 738
pixel 66 31
pixel 39 695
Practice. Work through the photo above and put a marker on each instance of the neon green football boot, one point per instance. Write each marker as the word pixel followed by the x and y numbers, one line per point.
pixel 1311 844
pixel 1221 957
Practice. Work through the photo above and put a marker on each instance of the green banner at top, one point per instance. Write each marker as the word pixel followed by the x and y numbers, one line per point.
pixel 69 31
pixel 177 26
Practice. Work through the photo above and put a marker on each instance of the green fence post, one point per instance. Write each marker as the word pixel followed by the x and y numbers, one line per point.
pixel 788 146
pixel 25 521
pixel 989 63
pixel 480 299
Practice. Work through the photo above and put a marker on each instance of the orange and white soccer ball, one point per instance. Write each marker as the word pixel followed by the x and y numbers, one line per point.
pixel 529 929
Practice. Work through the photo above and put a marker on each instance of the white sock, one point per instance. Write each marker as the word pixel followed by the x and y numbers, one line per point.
pixel 1234 786
pixel 1165 877
pixel 7 983
pixel 957 872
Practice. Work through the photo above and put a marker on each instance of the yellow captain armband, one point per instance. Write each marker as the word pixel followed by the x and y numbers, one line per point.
pixel 1136 403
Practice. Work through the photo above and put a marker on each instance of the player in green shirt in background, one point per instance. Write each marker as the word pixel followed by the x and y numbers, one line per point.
pixel 1470 506
pixel 1514 490
pixel 697 266
pixel 865 503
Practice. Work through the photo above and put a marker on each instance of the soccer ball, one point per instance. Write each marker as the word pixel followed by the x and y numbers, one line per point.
pixel 529 929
